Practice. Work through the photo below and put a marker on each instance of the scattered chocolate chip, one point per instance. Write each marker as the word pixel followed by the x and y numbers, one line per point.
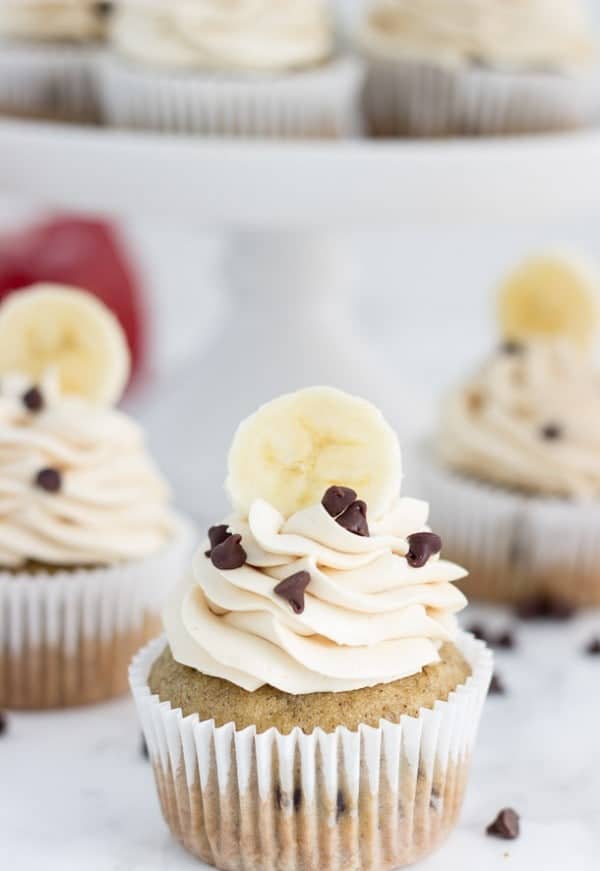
pixel 505 640
pixel 340 808
pixel 33 399
pixel 229 554
pixel 3 723
pixel 292 590
pixel 49 480
pixel 422 545
pixel 497 687
pixel 544 606
pixel 511 346
pixel 551 432
pixel 593 647
pixel 216 536
pixel 479 631
pixel 297 798
pixel 354 518
pixel 506 825
pixel 144 748
pixel 337 499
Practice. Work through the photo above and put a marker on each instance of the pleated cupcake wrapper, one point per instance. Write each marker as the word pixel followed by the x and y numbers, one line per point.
pixel 67 638
pixel 413 98
pixel 56 82
pixel 514 545
pixel 317 103
pixel 377 798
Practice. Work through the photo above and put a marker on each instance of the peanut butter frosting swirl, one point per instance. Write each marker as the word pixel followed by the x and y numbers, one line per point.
pixel 251 35
pixel 529 419
pixel 76 484
pixel 311 606
pixel 53 20
pixel 504 33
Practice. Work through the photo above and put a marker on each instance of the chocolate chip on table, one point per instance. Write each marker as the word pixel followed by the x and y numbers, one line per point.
pixel 551 432
pixel 497 687
pixel 354 518
pixel 422 545
pixel 49 480
pixel 511 346
pixel 337 499
pixel 544 606
pixel 505 640
pixel 3 723
pixel 216 536
pixel 33 399
pixel 592 648
pixel 506 825
pixel 479 631
pixel 229 554
pixel 292 590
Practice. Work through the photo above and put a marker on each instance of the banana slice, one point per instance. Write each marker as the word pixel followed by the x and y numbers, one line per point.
pixel 295 447
pixel 551 295
pixel 68 330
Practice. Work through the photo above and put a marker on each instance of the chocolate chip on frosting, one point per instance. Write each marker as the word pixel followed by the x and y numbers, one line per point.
pixel 216 536
pixel 49 480
pixel 292 590
pixel 354 518
pixel 422 545
pixel 33 399
pixel 551 432
pixel 229 554
pixel 506 825
pixel 337 499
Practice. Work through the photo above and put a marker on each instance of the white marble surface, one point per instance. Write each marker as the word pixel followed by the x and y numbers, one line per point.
pixel 76 793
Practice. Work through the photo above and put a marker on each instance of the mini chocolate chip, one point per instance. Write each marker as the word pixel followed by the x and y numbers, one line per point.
pixel 511 346
pixel 421 546
pixel 337 499
pixel 551 432
pixel 354 518
pixel 33 399
pixel 297 798
pixel 292 590
pixel 340 808
pixel 216 536
pixel 505 640
pixel 506 825
pixel 497 687
pixel 229 554
pixel 3 723
pixel 593 647
pixel 49 480
pixel 144 748
pixel 544 606
pixel 479 631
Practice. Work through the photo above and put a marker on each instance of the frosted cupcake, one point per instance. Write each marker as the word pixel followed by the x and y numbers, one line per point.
pixel 251 68
pixel 314 704
pixel 88 542
pixel 47 57
pixel 447 67
pixel 516 482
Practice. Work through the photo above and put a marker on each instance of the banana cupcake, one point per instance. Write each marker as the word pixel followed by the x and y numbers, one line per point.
pixel 88 541
pixel 313 704
pixel 515 475
pixel 250 68
pixel 473 67
pixel 47 57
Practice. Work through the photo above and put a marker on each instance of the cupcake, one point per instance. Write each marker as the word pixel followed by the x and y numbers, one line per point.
pixel 251 68
pixel 47 59
pixel 313 704
pixel 478 67
pixel 514 475
pixel 88 542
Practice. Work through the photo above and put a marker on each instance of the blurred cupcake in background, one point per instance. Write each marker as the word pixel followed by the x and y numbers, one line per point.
pixel 88 540
pixel 250 68
pixel 514 474
pixel 47 57
pixel 478 67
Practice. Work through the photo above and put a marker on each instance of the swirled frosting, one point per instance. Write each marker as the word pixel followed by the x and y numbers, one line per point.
pixel 369 617
pixel 529 419
pixel 112 504
pixel 260 35
pixel 53 20
pixel 505 33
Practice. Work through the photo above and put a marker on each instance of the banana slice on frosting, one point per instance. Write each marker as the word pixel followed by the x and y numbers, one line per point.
pixel 54 327
pixel 295 447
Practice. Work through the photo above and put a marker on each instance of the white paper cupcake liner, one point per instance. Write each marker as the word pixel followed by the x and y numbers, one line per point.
pixel 67 638
pixel 315 103
pixel 56 82
pixel 373 799
pixel 413 98
pixel 514 545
